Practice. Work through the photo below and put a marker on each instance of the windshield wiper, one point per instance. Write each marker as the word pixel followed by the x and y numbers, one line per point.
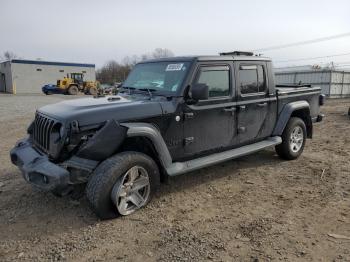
pixel 129 88
pixel 149 90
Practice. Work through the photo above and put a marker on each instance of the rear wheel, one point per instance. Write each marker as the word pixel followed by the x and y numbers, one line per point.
pixel 73 90
pixel 122 184
pixel 293 139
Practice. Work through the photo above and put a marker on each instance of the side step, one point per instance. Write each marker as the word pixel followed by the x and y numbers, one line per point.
pixel 178 168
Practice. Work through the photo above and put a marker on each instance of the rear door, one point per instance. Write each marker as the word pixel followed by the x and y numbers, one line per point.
pixel 209 125
pixel 254 102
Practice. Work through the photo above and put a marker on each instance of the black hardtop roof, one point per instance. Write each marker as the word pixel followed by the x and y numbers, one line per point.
pixel 208 58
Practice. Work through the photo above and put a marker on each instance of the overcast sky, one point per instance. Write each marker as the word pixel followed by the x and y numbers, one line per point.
pixel 97 31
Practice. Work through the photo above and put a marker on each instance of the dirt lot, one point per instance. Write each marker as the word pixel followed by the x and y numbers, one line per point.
pixel 257 208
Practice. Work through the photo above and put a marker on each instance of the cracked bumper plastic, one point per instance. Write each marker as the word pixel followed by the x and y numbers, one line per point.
pixel 36 168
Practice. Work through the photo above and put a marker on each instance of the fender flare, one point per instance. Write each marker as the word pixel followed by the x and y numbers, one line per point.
pixel 151 132
pixel 286 113
pixel 104 142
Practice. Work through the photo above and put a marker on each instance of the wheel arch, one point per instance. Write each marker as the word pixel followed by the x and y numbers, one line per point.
pixel 304 114
pixel 299 109
pixel 146 138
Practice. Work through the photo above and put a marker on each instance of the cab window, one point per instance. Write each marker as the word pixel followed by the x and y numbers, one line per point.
pixel 217 78
pixel 252 79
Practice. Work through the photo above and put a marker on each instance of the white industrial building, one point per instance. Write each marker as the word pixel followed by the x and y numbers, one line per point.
pixel 28 76
pixel 334 83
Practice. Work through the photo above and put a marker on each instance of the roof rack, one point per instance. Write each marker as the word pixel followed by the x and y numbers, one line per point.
pixel 238 53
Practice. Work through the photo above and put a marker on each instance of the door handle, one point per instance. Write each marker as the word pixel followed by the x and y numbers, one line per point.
pixel 230 109
pixel 262 104
pixel 242 108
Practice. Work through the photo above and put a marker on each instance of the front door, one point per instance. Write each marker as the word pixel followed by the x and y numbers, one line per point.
pixel 255 106
pixel 210 125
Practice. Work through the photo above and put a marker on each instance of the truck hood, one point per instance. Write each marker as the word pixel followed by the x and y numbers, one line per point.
pixel 91 110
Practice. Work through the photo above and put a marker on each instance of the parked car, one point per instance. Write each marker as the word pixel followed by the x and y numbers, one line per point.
pixel 203 110
pixel 52 89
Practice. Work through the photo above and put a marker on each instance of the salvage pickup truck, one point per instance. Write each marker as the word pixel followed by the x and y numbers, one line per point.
pixel 171 116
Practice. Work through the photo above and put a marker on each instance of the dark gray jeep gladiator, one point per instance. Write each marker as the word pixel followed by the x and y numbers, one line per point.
pixel 171 116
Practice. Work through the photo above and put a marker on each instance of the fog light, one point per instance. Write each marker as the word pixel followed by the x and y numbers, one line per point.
pixel 14 158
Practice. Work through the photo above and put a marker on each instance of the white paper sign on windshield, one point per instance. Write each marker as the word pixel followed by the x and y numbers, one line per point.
pixel 174 67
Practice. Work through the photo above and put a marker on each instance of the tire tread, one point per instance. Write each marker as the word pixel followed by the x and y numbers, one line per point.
pixel 106 174
pixel 283 149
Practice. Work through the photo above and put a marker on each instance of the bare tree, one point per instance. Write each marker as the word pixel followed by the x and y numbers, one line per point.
pixel 8 55
pixel 131 60
pixel 162 53
pixel 156 54
pixel 113 71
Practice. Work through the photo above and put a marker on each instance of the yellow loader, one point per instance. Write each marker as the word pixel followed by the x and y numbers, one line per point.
pixel 75 82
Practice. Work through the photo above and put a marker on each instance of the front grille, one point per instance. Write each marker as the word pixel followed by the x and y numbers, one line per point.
pixel 41 132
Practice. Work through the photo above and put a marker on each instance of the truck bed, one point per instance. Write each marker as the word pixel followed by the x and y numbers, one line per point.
pixel 296 89
pixel 289 93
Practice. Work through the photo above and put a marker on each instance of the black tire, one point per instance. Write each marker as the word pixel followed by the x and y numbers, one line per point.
pixel 106 175
pixel 93 91
pixel 284 150
pixel 73 90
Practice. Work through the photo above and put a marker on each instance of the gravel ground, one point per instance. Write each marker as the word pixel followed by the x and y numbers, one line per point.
pixel 257 208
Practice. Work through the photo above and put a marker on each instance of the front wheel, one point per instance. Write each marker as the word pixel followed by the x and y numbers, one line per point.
pixel 93 91
pixel 293 139
pixel 73 90
pixel 122 184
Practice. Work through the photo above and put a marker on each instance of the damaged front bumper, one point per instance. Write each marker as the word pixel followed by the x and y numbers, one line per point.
pixel 39 170
pixel 36 168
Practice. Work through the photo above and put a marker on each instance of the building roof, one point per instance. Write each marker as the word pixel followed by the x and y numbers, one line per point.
pixel 39 62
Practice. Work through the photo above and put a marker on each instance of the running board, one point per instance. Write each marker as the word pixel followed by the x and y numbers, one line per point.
pixel 178 168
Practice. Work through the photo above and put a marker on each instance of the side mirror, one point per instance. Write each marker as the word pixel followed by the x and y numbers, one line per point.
pixel 200 92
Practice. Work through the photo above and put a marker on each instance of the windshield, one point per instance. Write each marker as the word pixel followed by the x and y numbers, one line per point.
pixel 158 76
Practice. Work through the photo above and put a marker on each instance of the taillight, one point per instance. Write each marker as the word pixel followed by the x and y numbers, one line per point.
pixel 321 99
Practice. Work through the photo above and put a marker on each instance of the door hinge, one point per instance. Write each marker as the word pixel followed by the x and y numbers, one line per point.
pixel 188 140
pixel 189 115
